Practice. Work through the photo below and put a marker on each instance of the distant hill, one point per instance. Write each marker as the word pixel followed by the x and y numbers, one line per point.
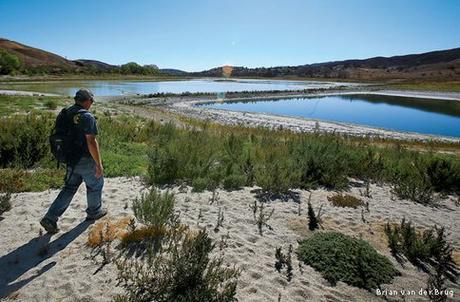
pixel 174 72
pixel 443 64
pixel 94 64
pixel 33 58
pixel 36 60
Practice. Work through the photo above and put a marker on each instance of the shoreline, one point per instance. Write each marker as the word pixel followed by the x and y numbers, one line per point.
pixel 297 124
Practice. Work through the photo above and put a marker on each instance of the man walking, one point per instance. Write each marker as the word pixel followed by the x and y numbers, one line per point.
pixel 86 164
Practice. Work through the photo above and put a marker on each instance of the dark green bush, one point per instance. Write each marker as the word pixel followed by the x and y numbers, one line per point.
pixel 443 175
pixel 234 181
pixel 5 202
pixel 9 63
pixel 323 162
pixel 342 258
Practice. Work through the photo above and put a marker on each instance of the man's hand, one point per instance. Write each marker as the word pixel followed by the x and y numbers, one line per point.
pixel 93 148
pixel 99 171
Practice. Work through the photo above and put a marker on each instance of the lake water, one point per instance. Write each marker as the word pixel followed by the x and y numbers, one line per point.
pixel 426 116
pixel 111 88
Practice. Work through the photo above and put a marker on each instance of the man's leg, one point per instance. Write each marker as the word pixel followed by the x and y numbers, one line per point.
pixel 62 201
pixel 94 188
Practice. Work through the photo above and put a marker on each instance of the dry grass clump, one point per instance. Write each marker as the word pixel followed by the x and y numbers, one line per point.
pixel 149 233
pixel 107 231
pixel 345 201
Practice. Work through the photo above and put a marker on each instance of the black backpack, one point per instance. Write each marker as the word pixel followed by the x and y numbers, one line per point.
pixel 66 141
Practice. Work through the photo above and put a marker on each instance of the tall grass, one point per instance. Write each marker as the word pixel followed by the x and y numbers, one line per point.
pixel 278 161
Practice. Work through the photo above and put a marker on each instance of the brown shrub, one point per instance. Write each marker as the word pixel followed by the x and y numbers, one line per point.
pixel 107 231
pixel 345 200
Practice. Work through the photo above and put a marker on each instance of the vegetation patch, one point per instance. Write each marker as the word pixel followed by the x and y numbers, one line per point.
pixel 345 201
pixel 176 264
pixel 5 202
pixel 231 157
pixel 18 180
pixel 423 248
pixel 342 258
pixel 107 231
pixel 183 272
pixel 10 104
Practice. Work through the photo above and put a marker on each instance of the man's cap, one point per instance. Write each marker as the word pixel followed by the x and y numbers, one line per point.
pixel 83 95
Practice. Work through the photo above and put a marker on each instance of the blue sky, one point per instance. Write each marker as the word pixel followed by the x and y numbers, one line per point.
pixel 200 34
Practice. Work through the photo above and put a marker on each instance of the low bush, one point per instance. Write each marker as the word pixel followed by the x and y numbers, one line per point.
pixel 51 104
pixel 444 175
pixel 422 248
pixel 342 258
pixel 5 202
pixel 155 208
pixel 345 201
pixel 106 231
pixel 412 182
pixel 183 272
pixel 24 139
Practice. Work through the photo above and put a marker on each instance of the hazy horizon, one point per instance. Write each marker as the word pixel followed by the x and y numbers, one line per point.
pixel 205 34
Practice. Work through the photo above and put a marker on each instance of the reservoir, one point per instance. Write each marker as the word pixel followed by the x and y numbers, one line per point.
pixel 427 116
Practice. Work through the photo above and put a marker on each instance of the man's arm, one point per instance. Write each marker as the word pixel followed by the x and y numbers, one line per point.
pixel 93 148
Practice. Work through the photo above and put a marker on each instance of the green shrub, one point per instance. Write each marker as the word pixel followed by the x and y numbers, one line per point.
pixel 234 181
pixel 9 63
pixel 185 272
pixel 443 175
pixel 24 139
pixel 323 162
pixel 274 170
pixel 155 208
pixel 17 180
pixel 342 258
pixel 51 104
pixel 412 182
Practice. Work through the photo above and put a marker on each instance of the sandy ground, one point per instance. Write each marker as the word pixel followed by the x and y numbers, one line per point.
pixel 66 273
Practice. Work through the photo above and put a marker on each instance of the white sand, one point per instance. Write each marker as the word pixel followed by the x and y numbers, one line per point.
pixel 66 273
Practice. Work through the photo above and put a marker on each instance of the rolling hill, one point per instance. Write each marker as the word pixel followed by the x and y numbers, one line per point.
pixel 36 60
pixel 435 65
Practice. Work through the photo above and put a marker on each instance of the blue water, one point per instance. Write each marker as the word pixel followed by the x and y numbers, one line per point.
pixel 426 116
pixel 112 88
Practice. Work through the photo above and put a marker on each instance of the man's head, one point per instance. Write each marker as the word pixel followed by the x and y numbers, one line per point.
pixel 84 97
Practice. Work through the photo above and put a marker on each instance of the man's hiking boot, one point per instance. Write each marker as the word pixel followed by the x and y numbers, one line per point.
pixel 101 214
pixel 49 226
